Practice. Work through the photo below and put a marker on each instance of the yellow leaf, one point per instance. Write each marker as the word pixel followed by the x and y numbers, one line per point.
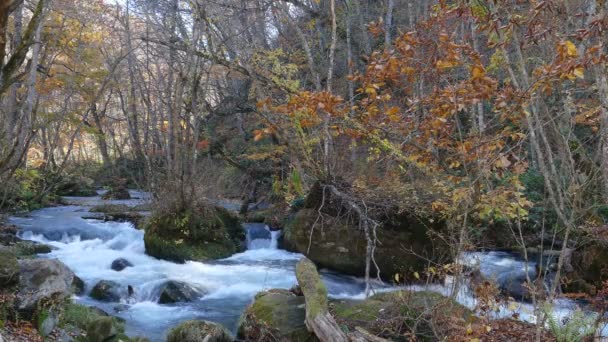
pixel 579 72
pixel 469 330
pixel 396 277
pixel 571 49
pixel 445 64
pixel 416 275
pixel 477 72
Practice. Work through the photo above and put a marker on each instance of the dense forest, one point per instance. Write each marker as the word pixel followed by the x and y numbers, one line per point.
pixel 406 143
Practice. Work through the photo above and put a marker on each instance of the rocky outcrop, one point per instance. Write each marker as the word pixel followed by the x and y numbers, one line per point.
pixel 340 245
pixel 108 291
pixel 119 192
pixel 175 291
pixel 120 264
pixel 589 268
pixel 205 233
pixel 197 331
pixel 42 281
pixel 76 186
pixel 118 213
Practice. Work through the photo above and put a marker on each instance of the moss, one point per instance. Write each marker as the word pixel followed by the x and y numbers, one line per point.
pixel 9 269
pixel 313 287
pixel 340 245
pixel 421 313
pixel 201 235
pixel 80 316
pixel 195 331
pixel 275 315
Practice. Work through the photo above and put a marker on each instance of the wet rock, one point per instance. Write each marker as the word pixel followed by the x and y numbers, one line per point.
pixel 9 269
pixel 175 291
pixel 205 233
pixel 276 314
pixel 78 286
pixel 76 186
pixel 120 264
pixel 340 245
pixel 196 331
pixel 117 192
pixel 43 280
pixel 107 291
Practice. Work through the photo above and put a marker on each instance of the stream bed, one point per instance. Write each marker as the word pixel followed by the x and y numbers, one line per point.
pixel 88 247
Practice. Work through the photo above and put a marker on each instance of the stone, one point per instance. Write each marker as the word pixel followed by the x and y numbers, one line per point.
pixel 107 291
pixel 198 331
pixel 78 286
pixel 202 234
pixel 175 291
pixel 43 280
pixel 120 264
pixel 101 330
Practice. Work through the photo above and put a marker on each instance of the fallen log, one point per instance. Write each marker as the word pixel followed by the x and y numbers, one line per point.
pixel 318 319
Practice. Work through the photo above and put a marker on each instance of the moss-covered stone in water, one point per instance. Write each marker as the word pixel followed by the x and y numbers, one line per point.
pixel 9 269
pixel 201 235
pixel 275 315
pixel 196 331
pixel 340 245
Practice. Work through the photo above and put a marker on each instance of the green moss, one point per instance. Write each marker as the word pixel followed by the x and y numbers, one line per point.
pixel 195 331
pixel 313 287
pixel 275 315
pixel 9 269
pixel 80 316
pixel 201 235
pixel 340 245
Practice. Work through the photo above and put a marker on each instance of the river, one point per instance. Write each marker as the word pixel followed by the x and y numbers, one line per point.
pixel 88 247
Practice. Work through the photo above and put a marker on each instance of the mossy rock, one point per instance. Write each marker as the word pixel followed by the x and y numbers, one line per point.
pixel 275 315
pixel 198 330
pixel 76 186
pixel 341 246
pixel 30 248
pixel 75 316
pixel 107 291
pixel 200 235
pixel 117 192
pixel 421 313
pixel 590 265
pixel 9 269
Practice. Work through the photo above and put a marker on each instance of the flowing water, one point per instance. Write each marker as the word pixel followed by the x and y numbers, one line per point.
pixel 89 246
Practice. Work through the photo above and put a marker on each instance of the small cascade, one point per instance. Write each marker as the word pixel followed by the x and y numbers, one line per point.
pixel 259 236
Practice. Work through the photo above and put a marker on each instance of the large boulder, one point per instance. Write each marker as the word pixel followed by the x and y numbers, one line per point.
pixel 201 234
pixel 76 186
pixel 176 291
pixel 197 331
pixel 42 281
pixel 9 269
pixel 120 264
pixel 278 314
pixel 339 244
pixel 108 291
pixel 118 192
